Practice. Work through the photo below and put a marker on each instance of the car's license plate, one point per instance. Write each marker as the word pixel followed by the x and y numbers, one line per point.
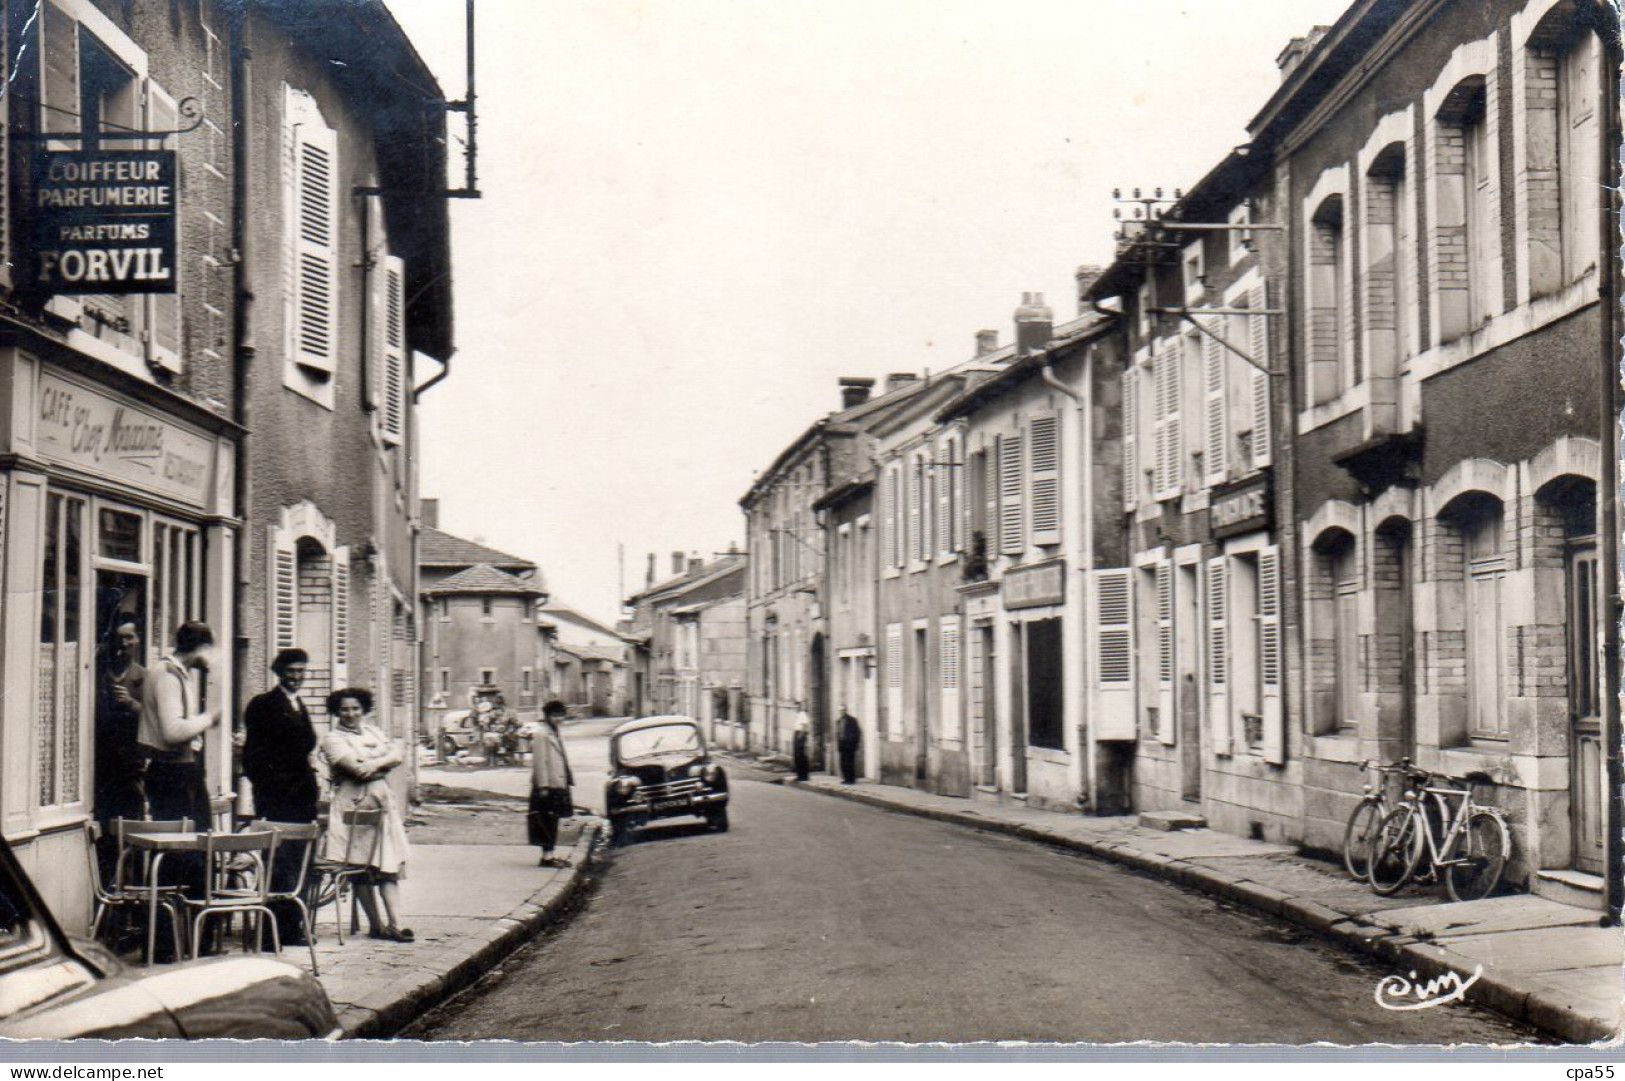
pixel 671 804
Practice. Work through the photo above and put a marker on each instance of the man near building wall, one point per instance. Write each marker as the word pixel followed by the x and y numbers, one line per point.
pixel 276 761
pixel 172 724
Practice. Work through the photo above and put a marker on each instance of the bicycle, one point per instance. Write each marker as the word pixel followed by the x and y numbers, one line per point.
pixel 1472 851
pixel 1370 811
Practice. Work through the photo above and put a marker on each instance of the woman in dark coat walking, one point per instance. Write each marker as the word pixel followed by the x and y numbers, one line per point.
pixel 550 781
pixel 800 750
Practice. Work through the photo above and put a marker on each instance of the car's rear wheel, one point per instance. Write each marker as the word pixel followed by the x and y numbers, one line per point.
pixel 717 820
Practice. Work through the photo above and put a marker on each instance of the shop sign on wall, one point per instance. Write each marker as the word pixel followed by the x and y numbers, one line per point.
pixel 1031 587
pixel 104 221
pixel 120 441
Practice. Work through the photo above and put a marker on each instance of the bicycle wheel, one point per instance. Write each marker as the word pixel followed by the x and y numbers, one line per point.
pixel 1482 847
pixel 1357 835
pixel 1396 849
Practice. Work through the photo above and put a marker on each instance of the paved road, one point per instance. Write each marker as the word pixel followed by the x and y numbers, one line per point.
pixel 821 919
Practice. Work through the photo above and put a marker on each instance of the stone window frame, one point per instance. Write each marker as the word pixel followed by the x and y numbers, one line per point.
pixel 1334 531
pixel 1390 318
pixel 1470 64
pixel 1532 33
pixel 1342 375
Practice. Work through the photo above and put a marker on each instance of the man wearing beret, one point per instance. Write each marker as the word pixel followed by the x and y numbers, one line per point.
pixel 276 760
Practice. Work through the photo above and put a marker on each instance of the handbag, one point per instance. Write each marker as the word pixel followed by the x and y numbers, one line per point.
pixel 558 802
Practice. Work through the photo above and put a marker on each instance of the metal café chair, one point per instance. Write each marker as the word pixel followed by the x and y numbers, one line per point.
pixel 220 810
pixel 305 836
pixel 109 897
pixel 223 893
pixel 340 875
pixel 138 883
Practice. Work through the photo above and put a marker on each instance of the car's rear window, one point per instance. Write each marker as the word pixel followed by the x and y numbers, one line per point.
pixel 666 739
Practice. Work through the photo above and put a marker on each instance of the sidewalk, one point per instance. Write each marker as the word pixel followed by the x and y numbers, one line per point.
pixel 1544 963
pixel 469 905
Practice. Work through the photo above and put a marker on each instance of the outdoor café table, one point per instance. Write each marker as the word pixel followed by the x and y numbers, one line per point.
pixel 159 845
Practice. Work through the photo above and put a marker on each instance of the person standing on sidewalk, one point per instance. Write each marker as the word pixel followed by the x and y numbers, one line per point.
pixel 276 761
pixel 362 757
pixel 799 751
pixel 847 738
pixel 171 728
pixel 550 781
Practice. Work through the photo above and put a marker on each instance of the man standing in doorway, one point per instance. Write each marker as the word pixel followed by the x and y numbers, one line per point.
pixel 847 738
pixel 120 764
pixel 172 725
pixel 276 761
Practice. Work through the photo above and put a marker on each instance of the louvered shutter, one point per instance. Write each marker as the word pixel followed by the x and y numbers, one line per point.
pixel 945 498
pixel 315 248
pixel 59 74
pixel 894 681
pixel 163 330
pixel 1169 449
pixel 1269 654
pixel 894 508
pixel 990 490
pixel 1215 422
pixel 1218 656
pixel 959 469
pixel 911 546
pixel 928 488
pixel 377 279
pixel 1010 518
pixel 1167 661
pixel 1131 441
pixel 392 425
pixel 948 665
pixel 1259 346
pixel 1578 71
pixel 1113 619
pixel 283 603
pixel 1044 474
pixel 341 616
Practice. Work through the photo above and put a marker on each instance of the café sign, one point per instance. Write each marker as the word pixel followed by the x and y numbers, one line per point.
pixel 104 221
pixel 1242 509
pixel 121 442
pixel 1032 587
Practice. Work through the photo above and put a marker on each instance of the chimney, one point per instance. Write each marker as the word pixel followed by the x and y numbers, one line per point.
pixel 1033 324
pixel 649 576
pixel 429 512
pixel 1086 276
pixel 677 563
pixel 695 563
pixel 900 379
pixel 854 390
pixel 1297 49
pixel 987 341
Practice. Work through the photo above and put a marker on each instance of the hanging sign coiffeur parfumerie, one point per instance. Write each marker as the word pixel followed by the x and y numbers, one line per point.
pixel 104 221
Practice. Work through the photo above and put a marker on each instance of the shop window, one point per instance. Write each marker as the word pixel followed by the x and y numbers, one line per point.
pixel 118 535
pixel 61 669
pixel 177 577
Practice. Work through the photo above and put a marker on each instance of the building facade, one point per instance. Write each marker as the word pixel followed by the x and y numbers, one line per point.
pixel 668 621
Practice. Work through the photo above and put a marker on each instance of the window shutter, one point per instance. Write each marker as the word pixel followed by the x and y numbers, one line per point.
pixel 959 469
pixel 1010 518
pixel 163 331
pixel 888 518
pixel 945 499
pixel 928 488
pixel 1269 654
pixel 1218 656
pixel 912 546
pixel 1259 343
pixel 948 665
pixel 1131 442
pixel 315 248
pixel 1167 395
pixel 1216 429
pixel 1113 620
pixel 392 424
pixel 284 599
pixel 1044 471
pixel 341 616
pixel 894 681
pixel 377 306
pixel 59 74
pixel 1166 666
pixel 990 488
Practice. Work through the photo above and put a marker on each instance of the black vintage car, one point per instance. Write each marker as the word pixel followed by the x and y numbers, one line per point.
pixel 55 987
pixel 659 768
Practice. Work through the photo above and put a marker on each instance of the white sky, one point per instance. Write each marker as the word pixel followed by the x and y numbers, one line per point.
pixel 700 213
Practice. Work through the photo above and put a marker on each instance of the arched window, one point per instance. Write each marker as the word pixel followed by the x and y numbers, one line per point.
pixel 1390 263
pixel 1333 600
pixel 1560 140
pixel 1467 238
pixel 1477 521
pixel 1330 358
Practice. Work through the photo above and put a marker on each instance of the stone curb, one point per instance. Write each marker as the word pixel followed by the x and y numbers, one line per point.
pixel 1428 959
pixel 382 1012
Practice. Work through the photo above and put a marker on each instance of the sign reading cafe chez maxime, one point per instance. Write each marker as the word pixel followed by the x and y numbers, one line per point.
pixel 104 221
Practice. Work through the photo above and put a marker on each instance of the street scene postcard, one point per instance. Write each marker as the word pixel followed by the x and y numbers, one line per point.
pixel 809 525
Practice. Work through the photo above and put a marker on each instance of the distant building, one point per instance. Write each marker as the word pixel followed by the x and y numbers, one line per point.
pixel 668 622
pixel 592 662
